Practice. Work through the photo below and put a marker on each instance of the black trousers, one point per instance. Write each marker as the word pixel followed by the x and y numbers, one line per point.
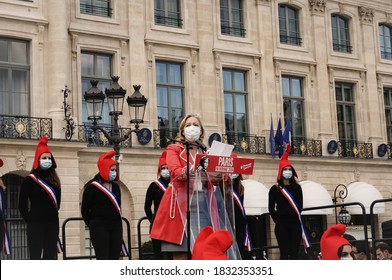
pixel 107 241
pixel 42 240
pixel 288 234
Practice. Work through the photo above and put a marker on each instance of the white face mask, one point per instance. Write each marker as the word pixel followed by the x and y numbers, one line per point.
pixel 192 133
pixel 346 258
pixel 165 173
pixel 287 174
pixel 234 176
pixel 45 164
pixel 112 175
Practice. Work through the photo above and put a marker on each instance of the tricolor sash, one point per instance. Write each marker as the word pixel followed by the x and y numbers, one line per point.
pixel 247 241
pixel 113 199
pixel 6 239
pixel 291 201
pixel 160 184
pixel 52 195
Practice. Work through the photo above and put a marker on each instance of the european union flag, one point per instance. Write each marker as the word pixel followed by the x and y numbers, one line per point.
pixel 279 139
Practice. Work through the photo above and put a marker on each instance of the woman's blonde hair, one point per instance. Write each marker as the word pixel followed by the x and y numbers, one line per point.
pixel 180 134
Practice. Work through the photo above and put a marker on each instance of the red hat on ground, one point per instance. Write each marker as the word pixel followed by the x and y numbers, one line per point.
pixel 162 161
pixel 105 161
pixel 331 240
pixel 42 147
pixel 212 245
pixel 284 161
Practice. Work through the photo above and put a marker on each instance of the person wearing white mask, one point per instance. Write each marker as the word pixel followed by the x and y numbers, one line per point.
pixel 285 203
pixel 204 197
pixel 101 209
pixel 154 196
pixel 39 203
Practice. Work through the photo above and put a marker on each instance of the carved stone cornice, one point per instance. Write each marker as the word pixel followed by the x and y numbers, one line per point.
pixel 317 6
pixel 366 14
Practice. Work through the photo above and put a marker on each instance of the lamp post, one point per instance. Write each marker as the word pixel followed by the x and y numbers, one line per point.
pixel 95 98
pixel 344 216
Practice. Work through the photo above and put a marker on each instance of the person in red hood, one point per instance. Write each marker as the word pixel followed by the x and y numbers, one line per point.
pixel 287 224
pixel 154 196
pixel 101 209
pixel 334 246
pixel 39 203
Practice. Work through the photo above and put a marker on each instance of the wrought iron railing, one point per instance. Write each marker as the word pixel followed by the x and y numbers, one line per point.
pixel 25 127
pixel 173 19
pixel 292 40
pixel 234 31
pixel 386 55
pixel 245 143
pixel 103 10
pixel 163 136
pixel 346 48
pixel 86 133
pixel 354 149
pixel 306 147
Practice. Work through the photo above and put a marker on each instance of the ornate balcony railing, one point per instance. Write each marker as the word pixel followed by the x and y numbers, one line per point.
pixel 25 127
pixel 354 149
pixel 163 136
pixel 245 143
pixel 306 147
pixel 85 133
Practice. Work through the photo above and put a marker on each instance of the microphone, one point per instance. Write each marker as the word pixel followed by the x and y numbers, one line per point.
pixel 201 145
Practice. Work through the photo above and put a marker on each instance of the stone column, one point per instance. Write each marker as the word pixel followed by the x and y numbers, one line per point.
pixel 58 63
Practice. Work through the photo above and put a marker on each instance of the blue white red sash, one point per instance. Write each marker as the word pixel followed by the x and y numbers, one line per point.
pixel 113 199
pixel 52 195
pixel 291 201
pixel 247 241
pixel 6 239
pixel 49 190
pixel 160 184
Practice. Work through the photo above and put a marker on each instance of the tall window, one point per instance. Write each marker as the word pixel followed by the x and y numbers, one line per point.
pixel 235 98
pixel 168 13
pixel 340 34
pixel 99 8
pixel 170 95
pixel 96 66
pixel 289 26
pixel 232 19
pixel 388 112
pixel 345 108
pixel 293 106
pixel 14 77
pixel 385 41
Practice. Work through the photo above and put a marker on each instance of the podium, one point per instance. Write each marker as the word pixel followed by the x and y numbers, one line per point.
pixel 211 196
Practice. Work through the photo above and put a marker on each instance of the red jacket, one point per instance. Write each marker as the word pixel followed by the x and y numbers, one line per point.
pixel 170 220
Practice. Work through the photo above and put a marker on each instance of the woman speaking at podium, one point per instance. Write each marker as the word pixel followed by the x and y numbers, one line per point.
pixel 205 199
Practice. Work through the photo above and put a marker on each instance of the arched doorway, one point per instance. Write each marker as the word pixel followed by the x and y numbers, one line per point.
pixel 16 226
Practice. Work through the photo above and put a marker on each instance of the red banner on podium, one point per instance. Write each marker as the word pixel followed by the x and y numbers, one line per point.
pixel 221 164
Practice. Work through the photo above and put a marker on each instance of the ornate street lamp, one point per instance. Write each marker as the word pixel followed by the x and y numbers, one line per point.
pixel 344 215
pixel 115 93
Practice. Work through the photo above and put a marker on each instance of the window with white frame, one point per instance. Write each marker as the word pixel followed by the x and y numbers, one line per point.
pixel 293 106
pixel 388 112
pixel 345 109
pixel 96 66
pixel 340 34
pixel 289 32
pixel 235 102
pixel 167 13
pixel 232 18
pixel 170 94
pixel 14 77
pixel 385 32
